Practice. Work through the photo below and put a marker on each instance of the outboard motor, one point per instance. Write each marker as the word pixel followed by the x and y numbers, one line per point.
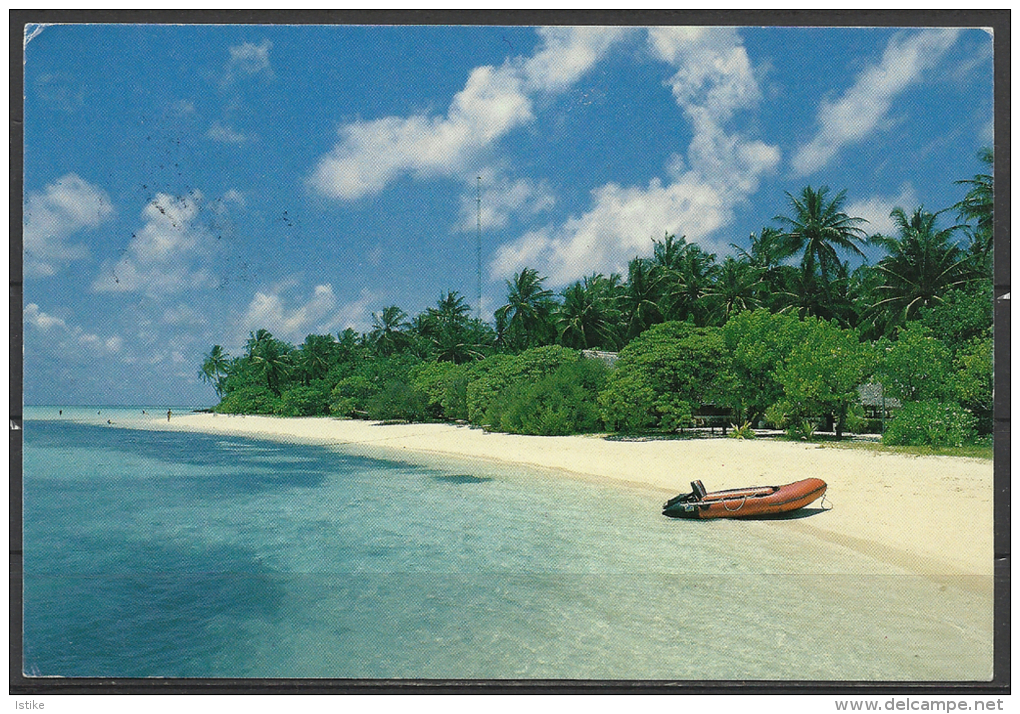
pixel 697 493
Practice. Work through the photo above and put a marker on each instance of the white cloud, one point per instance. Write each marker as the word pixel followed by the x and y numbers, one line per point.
pixel 494 101
pixel 167 254
pixel 226 134
pixel 713 81
pixel 502 197
pixel 714 72
pixel 862 108
pixel 67 341
pixel 248 59
pixel 40 320
pixel 620 225
pixel 876 209
pixel 319 313
pixel 566 54
pixel 66 207
pixel 183 315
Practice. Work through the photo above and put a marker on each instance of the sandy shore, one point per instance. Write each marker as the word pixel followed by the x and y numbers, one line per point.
pixel 931 515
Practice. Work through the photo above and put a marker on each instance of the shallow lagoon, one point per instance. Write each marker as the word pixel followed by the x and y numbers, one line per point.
pixel 187 555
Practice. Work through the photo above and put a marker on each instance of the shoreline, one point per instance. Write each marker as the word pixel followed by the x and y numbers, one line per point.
pixel 932 515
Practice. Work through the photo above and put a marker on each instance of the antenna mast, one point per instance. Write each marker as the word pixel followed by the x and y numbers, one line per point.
pixel 478 295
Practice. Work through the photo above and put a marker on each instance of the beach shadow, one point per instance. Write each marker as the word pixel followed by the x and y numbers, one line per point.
pixel 791 516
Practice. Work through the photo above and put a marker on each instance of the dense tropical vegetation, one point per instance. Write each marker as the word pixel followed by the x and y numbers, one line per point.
pixel 783 333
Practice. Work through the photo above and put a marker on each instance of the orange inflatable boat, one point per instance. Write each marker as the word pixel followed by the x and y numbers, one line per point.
pixel 744 502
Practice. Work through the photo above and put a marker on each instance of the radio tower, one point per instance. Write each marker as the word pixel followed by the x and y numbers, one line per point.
pixel 478 255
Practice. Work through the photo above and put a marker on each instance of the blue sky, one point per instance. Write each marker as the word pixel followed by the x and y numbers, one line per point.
pixel 185 185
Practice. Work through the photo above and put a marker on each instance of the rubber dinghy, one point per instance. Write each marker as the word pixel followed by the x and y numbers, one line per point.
pixel 744 502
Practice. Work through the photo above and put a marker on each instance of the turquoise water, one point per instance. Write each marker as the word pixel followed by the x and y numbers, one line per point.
pixel 163 554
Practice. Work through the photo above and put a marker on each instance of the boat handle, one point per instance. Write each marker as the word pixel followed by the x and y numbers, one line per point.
pixel 734 510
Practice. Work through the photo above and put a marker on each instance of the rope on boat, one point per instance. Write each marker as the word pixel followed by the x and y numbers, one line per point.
pixel 821 504
pixel 734 510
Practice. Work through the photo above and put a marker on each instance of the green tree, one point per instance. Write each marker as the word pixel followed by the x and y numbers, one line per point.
pixel 504 372
pixel 922 265
pixel 215 368
pixel 765 257
pixel 664 375
pixel 818 228
pixel 978 205
pixel 760 343
pixel 302 400
pixel 823 372
pixel 589 316
pixel 974 381
pixel 251 398
pixel 314 358
pixel 389 330
pixel 735 289
pixel 272 358
pixel 917 366
pixel 438 381
pixel 685 282
pixel 929 423
pixel 398 400
pixel 449 331
pixel 639 302
pixel 527 314
pixel 255 339
pixel 559 403
pixel 961 314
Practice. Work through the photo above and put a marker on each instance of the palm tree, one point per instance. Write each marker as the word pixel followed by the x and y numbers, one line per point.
pixel 765 256
pixel 589 316
pixel 255 339
pixel 449 331
pixel 640 299
pixel 666 253
pixel 527 313
pixel 735 289
pixel 819 227
pixel 923 264
pixel 214 368
pixel 978 205
pixel 685 283
pixel 273 357
pixel 389 330
pixel 315 357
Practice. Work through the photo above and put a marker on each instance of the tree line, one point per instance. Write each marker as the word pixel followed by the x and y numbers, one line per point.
pixel 782 333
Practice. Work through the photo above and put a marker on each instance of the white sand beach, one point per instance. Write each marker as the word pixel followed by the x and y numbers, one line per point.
pixel 928 514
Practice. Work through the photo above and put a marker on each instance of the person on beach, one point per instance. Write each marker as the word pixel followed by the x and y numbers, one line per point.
pixel 168 415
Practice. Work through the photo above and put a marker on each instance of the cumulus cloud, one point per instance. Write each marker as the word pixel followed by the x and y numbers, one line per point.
pixel 714 80
pixel 318 313
pixel 501 198
pixel 714 72
pixel 168 254
pixel 248 60
pixel 66 207
pixel 40 320
pixel 65 339
pixel 863 108
pixel 494 102
pixel 226 134
pixel 876 209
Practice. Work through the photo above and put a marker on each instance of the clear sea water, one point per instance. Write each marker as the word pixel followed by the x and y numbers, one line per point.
pixel 164 554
